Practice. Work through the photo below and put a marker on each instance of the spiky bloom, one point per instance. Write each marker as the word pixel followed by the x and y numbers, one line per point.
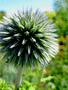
pixel 28 38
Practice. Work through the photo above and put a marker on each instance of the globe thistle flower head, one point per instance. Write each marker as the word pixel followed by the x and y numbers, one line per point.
pixel 28 38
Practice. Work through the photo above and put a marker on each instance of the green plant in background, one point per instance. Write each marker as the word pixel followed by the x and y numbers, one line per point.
pixel 61 18
pixel 5 86
pixel 28 38
pixel 27 86
pixel 59 67
pixel 2 13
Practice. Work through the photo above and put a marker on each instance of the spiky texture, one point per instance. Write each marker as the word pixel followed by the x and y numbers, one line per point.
pixel 28 38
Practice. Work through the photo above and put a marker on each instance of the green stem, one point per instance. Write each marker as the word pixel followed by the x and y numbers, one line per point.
pixel 18 78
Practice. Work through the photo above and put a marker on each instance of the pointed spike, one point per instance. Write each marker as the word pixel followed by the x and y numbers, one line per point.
pixel 39 35
pixel 29 50
pixel 23 42
pixel 27 32
pixel 41 61
pixel 7 38
pixel 10 28
pixel 13 45
pixel 21 25
pixel 34 40
pixel 17 34
pixel 19 53
pixel 4 32
pixel 36 55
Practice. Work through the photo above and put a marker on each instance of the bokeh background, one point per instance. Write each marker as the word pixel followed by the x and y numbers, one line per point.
pixel 55 75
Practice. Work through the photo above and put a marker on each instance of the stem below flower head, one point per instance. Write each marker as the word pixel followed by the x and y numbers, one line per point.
pixel 18 79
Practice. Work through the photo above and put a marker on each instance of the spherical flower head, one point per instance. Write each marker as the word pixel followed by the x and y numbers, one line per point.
pixel 28 38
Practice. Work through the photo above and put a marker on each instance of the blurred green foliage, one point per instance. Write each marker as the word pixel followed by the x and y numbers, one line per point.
pixel 61 8
pixel 55 75
pixel 5 86
pixel 2 13
pixel 60 17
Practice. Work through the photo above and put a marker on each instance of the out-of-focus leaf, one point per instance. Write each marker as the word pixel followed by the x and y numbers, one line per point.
pixel 47 78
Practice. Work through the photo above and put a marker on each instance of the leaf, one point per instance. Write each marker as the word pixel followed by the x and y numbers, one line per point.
pixel 47 79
